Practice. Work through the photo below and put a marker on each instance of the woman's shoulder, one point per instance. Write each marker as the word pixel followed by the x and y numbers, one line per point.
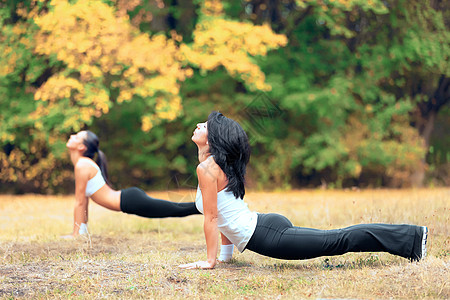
pixel 209 168
pixel 85 163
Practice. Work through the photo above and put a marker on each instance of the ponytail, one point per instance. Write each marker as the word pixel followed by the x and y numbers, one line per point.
pixel 103 164
pixel 91 142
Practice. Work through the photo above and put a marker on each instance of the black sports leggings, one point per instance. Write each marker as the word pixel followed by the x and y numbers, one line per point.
pixel 275 236
pixel 135 201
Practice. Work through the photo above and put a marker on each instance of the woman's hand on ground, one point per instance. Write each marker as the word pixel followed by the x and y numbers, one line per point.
pixel 74 236
pixel 197 265
pixel 69 237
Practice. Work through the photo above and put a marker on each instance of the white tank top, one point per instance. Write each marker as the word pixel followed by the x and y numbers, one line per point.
pixel 96 182
pixel 234 220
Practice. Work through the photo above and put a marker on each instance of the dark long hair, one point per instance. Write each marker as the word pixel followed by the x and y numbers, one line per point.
pixel 228 143
pixel 91 142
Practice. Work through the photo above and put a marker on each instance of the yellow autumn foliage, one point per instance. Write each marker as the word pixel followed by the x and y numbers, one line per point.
pixel 221 42
pixel 14 41
pixel 212 8
pixel 17 166
pixel 94 42
pixel 165 108
pixel 357 143
pixel 98 58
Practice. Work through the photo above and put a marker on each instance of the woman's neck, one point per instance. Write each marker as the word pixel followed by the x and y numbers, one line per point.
pixel 74 157
pixel 203 153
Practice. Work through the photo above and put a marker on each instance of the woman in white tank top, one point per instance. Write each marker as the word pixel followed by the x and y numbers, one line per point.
pixel 220 192
pixel 91 181
pixel 223 153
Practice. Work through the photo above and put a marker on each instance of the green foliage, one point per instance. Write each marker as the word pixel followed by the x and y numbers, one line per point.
pixel 348 93
pixel 346 99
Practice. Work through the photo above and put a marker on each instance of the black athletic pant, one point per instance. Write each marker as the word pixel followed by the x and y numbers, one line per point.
pixel 275 236
pixel 135 201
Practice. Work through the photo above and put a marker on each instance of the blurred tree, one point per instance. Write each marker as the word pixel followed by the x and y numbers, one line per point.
pixel 351 74
pixel 25 159
pixel 428 67
pixel 88 58
pixel 350 100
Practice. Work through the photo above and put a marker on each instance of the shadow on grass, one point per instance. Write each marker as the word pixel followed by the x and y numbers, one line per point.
pixel 372 261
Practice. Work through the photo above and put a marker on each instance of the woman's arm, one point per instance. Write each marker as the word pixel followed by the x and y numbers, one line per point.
pixel 207 178
pixel 81 201
pixel 208 185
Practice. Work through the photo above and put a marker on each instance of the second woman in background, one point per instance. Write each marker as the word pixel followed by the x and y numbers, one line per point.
pixel 91 181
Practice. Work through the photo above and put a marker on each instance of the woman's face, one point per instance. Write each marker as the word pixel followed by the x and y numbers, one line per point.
pixel 76 141
pixel 200 136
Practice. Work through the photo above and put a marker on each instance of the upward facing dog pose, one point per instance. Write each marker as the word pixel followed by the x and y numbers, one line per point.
pixel 223 152
pixel 91 181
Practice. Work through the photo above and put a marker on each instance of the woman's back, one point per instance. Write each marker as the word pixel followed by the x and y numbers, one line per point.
pixel 96 187
pixel 97 181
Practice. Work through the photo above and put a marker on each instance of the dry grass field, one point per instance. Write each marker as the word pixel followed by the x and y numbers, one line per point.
pixel 132 257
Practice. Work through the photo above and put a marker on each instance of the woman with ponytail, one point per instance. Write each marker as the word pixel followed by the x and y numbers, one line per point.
pixel 91 181
pixel 223 153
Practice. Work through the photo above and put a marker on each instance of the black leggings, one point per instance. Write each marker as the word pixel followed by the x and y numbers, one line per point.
pixel 135 201
pixel 275 236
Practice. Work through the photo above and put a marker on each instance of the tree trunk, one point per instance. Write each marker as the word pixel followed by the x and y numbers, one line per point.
pixel 424 122
pixel 418 177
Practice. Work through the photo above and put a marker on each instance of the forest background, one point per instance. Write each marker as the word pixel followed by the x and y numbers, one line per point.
pixel 333 93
